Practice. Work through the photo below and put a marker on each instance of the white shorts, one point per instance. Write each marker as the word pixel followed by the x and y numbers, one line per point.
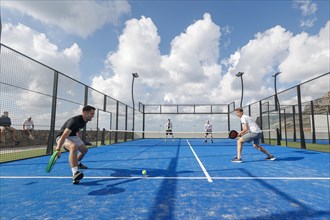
pixel 74 139
pixel 255 137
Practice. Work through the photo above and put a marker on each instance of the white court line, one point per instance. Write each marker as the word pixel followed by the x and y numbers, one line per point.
pixel 200 164
pixel 168 177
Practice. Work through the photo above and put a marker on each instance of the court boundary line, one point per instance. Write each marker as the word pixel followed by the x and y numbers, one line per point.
pixel 209 179
pixel 168 177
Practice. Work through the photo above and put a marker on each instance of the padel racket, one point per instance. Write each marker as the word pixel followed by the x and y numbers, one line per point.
pixel 51 162
pixel 233 134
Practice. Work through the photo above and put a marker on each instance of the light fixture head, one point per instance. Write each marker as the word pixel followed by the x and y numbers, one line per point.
pixel 135 75
pixel 239 74
pixel 276 74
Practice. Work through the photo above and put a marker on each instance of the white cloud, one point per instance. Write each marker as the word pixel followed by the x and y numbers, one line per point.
pixel 75 17
pixel 307 23
pixel 190 73
pixel 185 75
pixel 308 10
pixel 307 7
pixel 258 60
pixel 299 58
pixel 38 46
pixel 137 52
pixel 308 56
pixel 37 77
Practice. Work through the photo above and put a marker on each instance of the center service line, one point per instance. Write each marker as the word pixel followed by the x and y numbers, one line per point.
pixel 200 164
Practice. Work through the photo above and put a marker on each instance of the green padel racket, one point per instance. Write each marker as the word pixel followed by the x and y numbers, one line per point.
pixel 51 162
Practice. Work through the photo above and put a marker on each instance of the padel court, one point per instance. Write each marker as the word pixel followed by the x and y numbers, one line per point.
pixel 186 179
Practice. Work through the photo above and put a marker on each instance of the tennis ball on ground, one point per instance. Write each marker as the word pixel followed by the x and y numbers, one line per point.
pixel 144 172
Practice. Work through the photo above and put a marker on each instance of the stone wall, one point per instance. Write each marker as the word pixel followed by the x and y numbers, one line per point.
pixel 41 138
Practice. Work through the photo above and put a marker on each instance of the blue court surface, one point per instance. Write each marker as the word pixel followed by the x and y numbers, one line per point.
pixel 186 179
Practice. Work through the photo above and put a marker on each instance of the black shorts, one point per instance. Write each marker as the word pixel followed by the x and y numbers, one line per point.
pixel 169 132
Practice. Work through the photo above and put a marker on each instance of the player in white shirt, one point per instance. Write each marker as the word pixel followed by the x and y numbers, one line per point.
pixel 250 132
pixel 208 130
pixel 168 129
pixel 28 127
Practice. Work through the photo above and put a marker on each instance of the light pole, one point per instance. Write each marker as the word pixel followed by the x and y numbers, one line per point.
pixel 240 74
pixel 277 104
pixel 276 99
pixel 135 75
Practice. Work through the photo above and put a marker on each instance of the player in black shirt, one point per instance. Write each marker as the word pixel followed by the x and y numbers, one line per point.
pixel 68 138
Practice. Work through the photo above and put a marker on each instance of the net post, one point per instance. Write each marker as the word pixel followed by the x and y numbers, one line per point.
pixel 313 123
pixel 103 137
pixel 51 134
pixel 260 121
pixel 117 120
pixel 85 103
pixel 278 137
pixel 300 114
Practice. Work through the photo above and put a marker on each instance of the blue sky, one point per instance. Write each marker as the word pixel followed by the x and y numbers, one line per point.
pixel 184 51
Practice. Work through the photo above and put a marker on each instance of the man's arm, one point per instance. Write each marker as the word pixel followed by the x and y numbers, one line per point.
pixel 244 130
pixel 79 134
pixel 61 141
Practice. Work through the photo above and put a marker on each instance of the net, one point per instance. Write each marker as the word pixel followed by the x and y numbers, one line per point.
pixel 115 136
pixel 180 134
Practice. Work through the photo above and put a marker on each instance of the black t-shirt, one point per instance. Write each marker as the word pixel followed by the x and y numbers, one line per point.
pixel 75 124
pixel 5 121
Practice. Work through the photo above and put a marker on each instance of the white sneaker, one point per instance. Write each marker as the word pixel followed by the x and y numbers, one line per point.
pixel 236 160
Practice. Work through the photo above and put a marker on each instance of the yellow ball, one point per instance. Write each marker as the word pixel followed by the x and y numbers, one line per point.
pixel 144 172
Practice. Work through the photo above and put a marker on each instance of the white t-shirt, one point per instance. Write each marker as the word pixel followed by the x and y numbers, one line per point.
pixel 251 124
pixel 28 124
pixel 208 127
pixel 168 126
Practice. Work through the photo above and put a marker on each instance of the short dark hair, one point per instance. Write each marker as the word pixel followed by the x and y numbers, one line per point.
pixel 88 108
pixel 239 109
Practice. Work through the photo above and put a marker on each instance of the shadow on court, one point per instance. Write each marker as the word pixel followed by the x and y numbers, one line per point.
pixel 163 206
pixel 305 152
pixel 109 189
pixel 303 211
pixel 289 158
pixel 300 214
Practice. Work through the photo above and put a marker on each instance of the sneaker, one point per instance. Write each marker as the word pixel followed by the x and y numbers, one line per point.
pixel 205 141
pixel 270 158
pixel 212 141
pixel 236 160
pixel 82 166
pixel 77 177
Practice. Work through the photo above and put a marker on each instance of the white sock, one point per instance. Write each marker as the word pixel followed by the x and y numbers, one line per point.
pixel 74 170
